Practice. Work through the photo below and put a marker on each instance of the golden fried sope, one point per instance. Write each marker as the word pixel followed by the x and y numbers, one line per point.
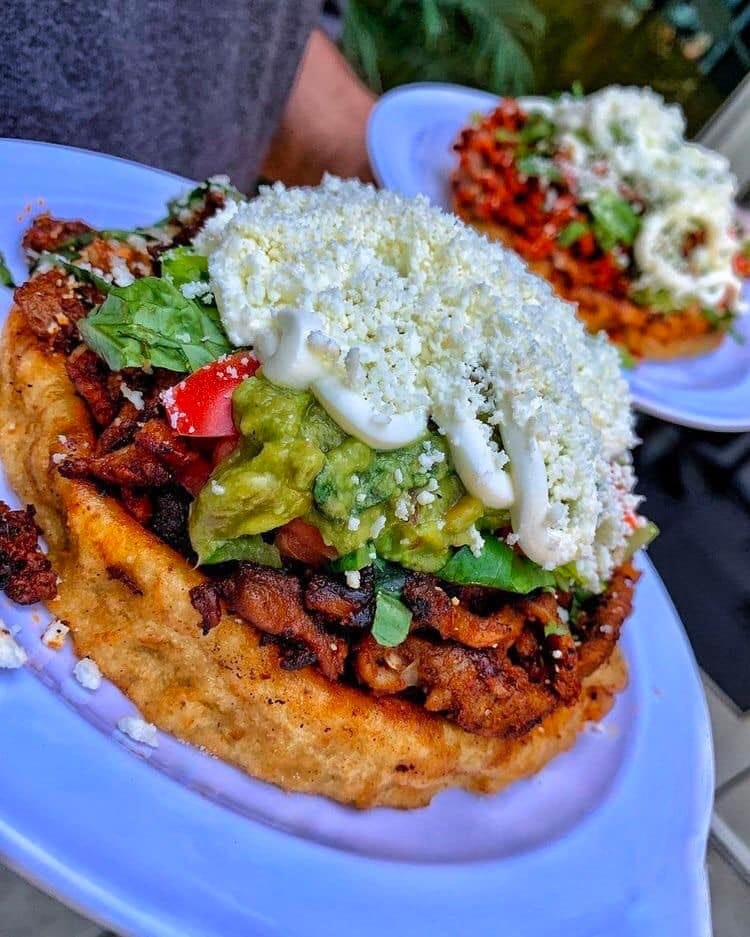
pixel 356 517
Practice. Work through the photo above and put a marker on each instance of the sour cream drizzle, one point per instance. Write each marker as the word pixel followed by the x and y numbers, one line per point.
pixel 292 357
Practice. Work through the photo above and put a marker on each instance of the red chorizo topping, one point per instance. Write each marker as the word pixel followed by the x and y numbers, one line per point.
pixel 26 575
pixel 49 234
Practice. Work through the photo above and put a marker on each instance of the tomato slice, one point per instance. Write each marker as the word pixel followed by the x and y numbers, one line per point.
pixel 201 405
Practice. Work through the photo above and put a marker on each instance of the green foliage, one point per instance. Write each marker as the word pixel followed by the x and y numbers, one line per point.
pixel 484 43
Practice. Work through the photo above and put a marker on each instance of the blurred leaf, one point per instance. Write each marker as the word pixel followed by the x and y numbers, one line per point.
pixel 484 43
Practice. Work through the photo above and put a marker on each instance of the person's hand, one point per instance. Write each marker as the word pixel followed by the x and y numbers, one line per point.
pixel 324 124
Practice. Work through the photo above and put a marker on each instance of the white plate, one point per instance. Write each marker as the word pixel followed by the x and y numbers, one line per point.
pixel 410 138
pixel 609 838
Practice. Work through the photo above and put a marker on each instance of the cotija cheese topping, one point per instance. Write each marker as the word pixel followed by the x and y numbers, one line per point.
pixel 394 313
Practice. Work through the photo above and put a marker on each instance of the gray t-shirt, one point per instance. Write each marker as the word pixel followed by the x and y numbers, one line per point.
pixel 193 86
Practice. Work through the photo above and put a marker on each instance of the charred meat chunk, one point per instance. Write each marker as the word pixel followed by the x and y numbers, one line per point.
pixel 598 626
pixel 339 604
pixel 92 380
pixel 51 305
pixel 449 616
pixel 26 575
pixel 50 234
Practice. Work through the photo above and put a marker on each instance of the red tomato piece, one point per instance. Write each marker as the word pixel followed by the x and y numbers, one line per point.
pixel 201 405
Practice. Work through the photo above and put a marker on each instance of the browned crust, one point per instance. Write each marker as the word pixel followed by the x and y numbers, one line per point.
pixel 224 692
pixel 589 303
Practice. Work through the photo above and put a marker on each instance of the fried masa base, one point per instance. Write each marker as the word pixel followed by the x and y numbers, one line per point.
pixel 124 594
pixel 648 345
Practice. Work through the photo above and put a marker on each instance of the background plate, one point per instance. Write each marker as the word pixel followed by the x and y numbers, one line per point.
pixel 609 838
pixel 410 138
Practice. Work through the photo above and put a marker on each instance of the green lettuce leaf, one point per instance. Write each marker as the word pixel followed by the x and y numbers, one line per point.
pixel 640 538
pixel 497 566
pixel 615 222
pixel 357 559
pixel 149 323
pixel 182 265
pixel 392 619
pixel 6 278
pixel 251 548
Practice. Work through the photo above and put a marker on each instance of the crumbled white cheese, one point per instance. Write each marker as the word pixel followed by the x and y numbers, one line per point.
pixel 134 396
pixel 12 655
pixel 377 525
pixel 430 317
pixel 55 635
pixel 425 497
pixel 139 730
pixel 476 541
pixel 197 289
pixel 87 673
pixel 402 509
pixel 353 578
pixel 217 488
pixel 430 457
pixel 57 457
pixel 121 274
pixel 398 476
pixel 354 523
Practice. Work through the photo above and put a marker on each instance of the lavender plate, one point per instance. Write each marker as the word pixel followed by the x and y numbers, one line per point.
pixel 168 842
pixel 410 142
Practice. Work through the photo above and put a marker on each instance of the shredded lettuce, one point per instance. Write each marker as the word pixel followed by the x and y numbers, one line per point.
pixel 150 323
pixel 497 566
pixel 182 265
pixel 615 222
pixel 251 548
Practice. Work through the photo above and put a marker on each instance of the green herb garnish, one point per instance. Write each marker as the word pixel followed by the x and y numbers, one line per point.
pixel 615 222
pixel 150 323
pixel 6 278
pixel 497 566
pixel 572 232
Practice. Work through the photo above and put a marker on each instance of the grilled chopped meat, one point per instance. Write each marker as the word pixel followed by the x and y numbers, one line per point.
pixel 271 600
pixel 129 466
pixel 121 430
pixel 26 575
pixel 566 682
pixel 480 689
pixel 303 543
pixel 169 520
pixel 160 441
pixel 340 604
pixel 384 669
pixel 598 627
pixel 92 380
pixel 51 305
pixel 434 608
pixel 138 504
pixel 213 201
pixel 50 234
pixel 205 599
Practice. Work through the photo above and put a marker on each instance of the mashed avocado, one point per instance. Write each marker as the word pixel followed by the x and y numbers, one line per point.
pixel 294 461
